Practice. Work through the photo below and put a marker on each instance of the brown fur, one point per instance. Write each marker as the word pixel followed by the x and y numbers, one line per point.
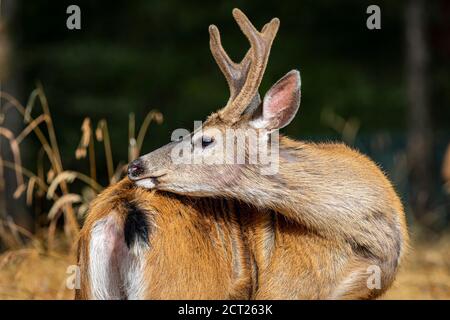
pixel 217 249
pixel 334 211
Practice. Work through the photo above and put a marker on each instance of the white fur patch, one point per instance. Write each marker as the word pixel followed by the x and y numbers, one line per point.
pixel 115 272
pixel 259 123
pixel 145 183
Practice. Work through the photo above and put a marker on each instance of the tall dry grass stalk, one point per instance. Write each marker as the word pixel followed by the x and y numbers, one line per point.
pixel 51 178
pixel 446 169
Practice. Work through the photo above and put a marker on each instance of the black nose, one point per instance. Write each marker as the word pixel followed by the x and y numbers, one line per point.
pixel 135 168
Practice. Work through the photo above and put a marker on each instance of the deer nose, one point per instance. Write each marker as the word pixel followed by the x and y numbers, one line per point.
pixel 135 169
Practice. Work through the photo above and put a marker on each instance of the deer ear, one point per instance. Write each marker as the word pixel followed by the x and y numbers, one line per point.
pixel 280 103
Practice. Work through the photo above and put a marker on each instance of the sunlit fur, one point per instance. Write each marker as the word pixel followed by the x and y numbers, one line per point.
pixel 328 188
pixel 202 248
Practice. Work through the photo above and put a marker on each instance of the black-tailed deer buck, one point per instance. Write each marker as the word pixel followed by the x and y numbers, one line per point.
pixel 319 226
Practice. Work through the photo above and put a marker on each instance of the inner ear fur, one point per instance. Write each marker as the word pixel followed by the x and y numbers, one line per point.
pixel 280 103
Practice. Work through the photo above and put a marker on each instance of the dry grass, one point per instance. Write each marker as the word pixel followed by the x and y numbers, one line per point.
pixel 425 273
pixel 51 181
pixel 34 274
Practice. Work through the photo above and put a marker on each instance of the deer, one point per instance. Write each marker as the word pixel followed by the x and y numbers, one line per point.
pixel 329 189
pixel 146 244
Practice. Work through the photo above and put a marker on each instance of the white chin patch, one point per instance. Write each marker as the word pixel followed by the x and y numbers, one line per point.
pixel 145 183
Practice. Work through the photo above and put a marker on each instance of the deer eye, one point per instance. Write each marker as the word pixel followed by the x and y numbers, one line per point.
pixel 206 141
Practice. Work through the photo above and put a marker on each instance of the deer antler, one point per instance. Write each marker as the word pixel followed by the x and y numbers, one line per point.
pixel 244 78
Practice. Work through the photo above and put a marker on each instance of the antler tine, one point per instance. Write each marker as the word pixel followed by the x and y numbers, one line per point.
pixel 234 73
pixel 260 49
pixel 244 78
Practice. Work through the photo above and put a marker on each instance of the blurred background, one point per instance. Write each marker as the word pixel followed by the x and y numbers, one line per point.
pixel 385 92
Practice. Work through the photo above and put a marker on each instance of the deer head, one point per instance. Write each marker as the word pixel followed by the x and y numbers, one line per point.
pixel 214 157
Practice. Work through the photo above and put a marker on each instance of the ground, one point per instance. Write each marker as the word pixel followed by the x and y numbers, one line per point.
pixel 425 273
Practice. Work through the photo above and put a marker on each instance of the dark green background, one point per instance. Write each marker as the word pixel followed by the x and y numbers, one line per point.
pixel 131 56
